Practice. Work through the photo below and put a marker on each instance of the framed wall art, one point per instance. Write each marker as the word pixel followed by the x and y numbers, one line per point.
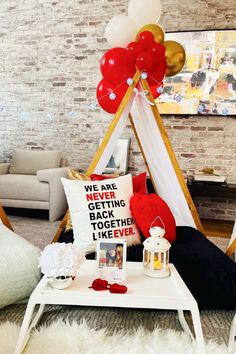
pixel 118 162
pixel 207 83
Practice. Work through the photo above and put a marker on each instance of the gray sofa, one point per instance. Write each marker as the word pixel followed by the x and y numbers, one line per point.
pixel 33 181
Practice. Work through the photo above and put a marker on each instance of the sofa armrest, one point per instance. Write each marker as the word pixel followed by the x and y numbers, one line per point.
pixel 4 168
pixel 52 174
pixel 57 199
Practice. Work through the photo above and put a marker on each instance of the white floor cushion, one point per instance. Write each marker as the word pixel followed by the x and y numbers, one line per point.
pixel 19 272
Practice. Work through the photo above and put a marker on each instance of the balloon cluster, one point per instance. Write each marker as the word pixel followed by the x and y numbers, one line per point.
pixel 122 29
pixel 144 50
pixel 118 66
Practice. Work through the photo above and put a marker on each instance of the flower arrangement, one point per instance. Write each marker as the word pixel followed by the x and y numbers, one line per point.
pixel 61 260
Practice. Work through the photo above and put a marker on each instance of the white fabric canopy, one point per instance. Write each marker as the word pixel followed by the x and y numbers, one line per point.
pixel 158 160
pixel 110 146
pixel 157 157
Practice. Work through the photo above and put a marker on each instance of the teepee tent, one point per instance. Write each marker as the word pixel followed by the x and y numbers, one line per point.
pixel 232 243
pixel 164 170
pixel 4 218
pixel 139 107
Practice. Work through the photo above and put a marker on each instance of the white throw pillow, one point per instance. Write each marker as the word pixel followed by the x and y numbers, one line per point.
pixel 101 210
pixel 19 272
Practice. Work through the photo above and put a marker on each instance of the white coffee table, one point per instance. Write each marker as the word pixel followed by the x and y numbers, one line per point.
pixel 145 292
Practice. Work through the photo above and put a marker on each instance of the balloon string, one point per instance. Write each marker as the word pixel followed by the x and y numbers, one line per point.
pixel 107 94
pixel 143 93
pixel 159 83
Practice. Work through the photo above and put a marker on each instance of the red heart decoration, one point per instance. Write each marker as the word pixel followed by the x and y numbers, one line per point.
pixel 99 284
pixel 118 289
pixel 145 208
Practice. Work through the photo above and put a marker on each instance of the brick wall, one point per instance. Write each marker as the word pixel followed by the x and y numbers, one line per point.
pixel 49 54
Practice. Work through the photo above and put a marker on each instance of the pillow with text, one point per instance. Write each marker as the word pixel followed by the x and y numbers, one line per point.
pixel 101 210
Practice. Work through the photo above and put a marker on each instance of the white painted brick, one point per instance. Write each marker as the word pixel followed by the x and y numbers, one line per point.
pixel 39 43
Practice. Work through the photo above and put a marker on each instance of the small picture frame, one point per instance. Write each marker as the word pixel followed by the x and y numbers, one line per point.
pixel 118 162
pixel 111 260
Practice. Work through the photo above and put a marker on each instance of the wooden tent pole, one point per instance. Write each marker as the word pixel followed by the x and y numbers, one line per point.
pixel 106 138
pixel 113 124
pixel 173 159
pixel 5 219
pixel 231 249
pixel 61 227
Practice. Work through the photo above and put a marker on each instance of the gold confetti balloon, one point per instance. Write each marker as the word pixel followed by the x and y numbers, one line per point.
pixel 175 57
pixel 156 30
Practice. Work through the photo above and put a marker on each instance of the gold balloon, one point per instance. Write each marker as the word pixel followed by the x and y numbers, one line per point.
pixel 156 30
pixel 175 57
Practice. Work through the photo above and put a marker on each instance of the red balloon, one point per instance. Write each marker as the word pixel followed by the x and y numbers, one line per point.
pixel 157 51
pixel 116 66
pixel 156 73
pixel 131 51
pixel 146 39
pixel 144 61
pixel 139 49
pixel 104 89
pixel 156 90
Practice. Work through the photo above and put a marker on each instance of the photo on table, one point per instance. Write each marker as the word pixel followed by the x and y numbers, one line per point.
pixel 111 259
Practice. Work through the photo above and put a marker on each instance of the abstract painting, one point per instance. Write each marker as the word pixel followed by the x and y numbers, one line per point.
pixel 207 83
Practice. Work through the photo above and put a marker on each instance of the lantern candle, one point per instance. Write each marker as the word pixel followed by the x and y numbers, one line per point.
pixel 156 253
pixel 157 261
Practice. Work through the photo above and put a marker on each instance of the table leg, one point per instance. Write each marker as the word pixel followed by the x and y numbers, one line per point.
pixel 184 324
pixel 198 331
pixel 232 335
pixel 26 326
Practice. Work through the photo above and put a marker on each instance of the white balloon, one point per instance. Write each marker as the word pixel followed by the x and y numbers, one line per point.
pixel 120 31
pixel 143 12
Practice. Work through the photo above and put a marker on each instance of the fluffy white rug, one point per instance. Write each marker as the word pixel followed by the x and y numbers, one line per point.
pixel 65 338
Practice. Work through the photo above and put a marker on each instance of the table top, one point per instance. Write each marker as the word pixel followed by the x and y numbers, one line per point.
pixel 143 291
pixel 203 189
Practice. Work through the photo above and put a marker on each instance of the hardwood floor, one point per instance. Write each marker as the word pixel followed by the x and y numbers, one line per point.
pixel 218 228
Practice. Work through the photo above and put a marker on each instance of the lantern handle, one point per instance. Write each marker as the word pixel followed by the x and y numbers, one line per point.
pixel 158 217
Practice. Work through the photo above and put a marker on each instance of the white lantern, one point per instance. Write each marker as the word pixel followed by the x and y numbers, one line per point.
pixel 156 254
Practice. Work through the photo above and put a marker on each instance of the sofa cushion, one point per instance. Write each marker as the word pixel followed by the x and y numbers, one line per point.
pixel 28 162
pixel 19 267
pixel 23 187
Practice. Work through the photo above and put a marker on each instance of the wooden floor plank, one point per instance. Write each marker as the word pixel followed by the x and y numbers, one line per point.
pixel 218 228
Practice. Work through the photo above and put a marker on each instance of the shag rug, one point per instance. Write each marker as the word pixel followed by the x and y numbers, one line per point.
pixel 73 338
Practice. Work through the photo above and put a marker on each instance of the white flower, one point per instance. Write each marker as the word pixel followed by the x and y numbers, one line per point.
pixel 61 259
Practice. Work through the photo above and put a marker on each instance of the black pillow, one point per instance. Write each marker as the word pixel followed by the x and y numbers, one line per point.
pixel 66 236
pixel 134 253
pixel 208 273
